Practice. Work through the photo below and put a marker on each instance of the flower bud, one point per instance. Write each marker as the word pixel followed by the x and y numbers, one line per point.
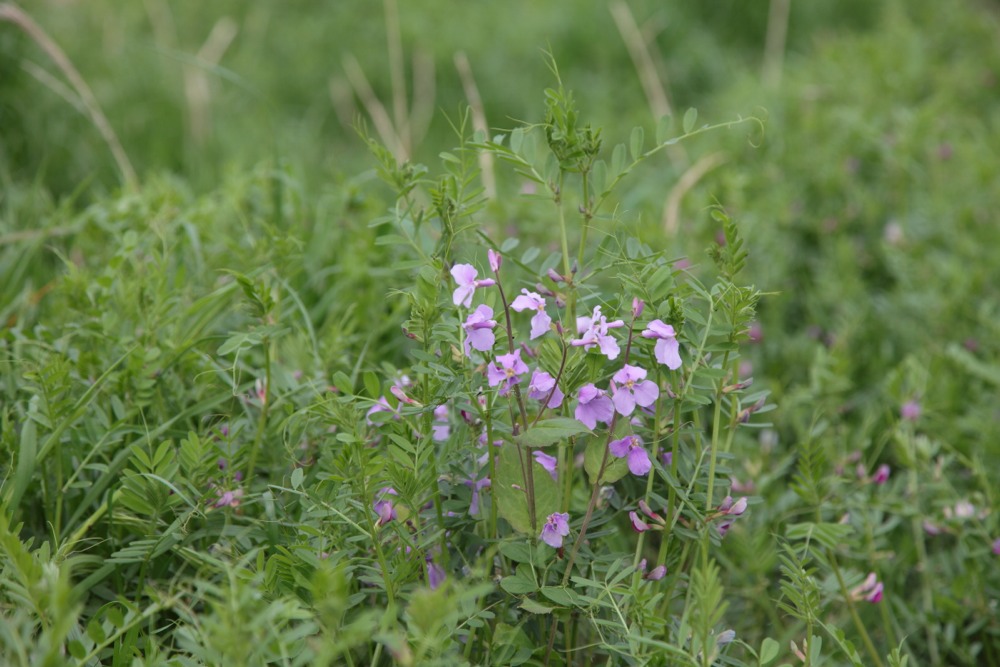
pixel 495 260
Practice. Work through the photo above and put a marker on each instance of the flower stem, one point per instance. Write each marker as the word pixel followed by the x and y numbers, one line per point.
pixel 852 609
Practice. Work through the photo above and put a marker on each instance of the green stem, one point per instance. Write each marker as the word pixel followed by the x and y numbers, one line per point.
pixel 852 609
pixel 262 420
pixel 716 428
pixel 927 597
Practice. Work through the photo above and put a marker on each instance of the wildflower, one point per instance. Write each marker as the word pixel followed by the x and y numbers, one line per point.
pixel 555 277
pixel 638 305
pixel 656 573
pixel 541 322
pixel 631 446
pixel 479 330
pixel 910 411
pixel 435 574
pixel 465 277
pixel 725 637
pixel 996 547
pixel 398 392
pixel 594 406
pixel 881 475
pixel 667 349
pixel 644 506
pixel 484 483
pixel 228 498
pixel 729 508
pixel 724 528
pixel 542 384
pixel 870 589
pixel 633 389
pixel 496 259
pixel 555 529
pixel 594 331
pixel 507 369
pixel 638 524
pixel 546 461
pixel 440 429
pixel 384 507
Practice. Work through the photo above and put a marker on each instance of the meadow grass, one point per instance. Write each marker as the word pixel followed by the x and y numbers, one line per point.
pixel 240 423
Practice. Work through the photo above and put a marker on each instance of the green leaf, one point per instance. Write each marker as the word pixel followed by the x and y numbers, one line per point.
pixel 561 596
pixel 511 499
pixel 663 128
pixel 372 385
pixel 297 476
pixel 768 650
pixel 27 456
pixel 618 159
pixel 533 607
pixel 690 118
pixel 635 142
pixel 520 583
pixel 519 551
pixel 614 470
pixel 551 431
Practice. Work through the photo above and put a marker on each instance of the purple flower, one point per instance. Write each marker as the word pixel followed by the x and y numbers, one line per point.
pixel 633 389
pixel 657 573
pixel 910 411
pixel 728 507
pixel 440 429
pixel 667 350
pixel 383 506
pixel 484 483
pixel 541 385
pixel 506 370
pixel 870 589
pixel 228 498
pixel 638 524
pixel 479 330
pixel 465 277
pixel 496 259
pixel 638 305
pixel 435 574
pixel 546 461
pixel 594 406
pixel 881 475
pixel 631 446
pixel 594 331
pixel 996 547
pixel 555 529
pixel 541 322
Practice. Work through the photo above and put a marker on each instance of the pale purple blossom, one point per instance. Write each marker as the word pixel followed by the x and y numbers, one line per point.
pixel 631 447
pixel 910 411
pixel 870 589
pixel 881 475
pixel 656 573
pixel 638 524
pixel 465 278
pixel 383 506
pixel 496 259
pixel 479 330
pixel 228 498
pixel 484 483
pixel 633 389
pixel 440 429
pixel 593 406
pixel 996 547
pixel 541 321
pixel 730 508
pixel 555 529
pixel 542 384
pixel 506 371
pixel 594 331
pixel 435 574
pixel 546 461
pixel 667 349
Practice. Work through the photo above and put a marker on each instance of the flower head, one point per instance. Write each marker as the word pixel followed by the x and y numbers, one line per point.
pixel 594 406
pixel 555 529
pixel 667 349
pixel 435 574
pixel 496 259
pixel 633 389
pixel 881 475
pixel 594 331
pixel 910 411
pixel 541 322
pixel 656 573
pixel 506 371
pixel 465 278
pixel 542 384
pixel 631 447
pixel 638 524
pixel 479 330
pixel 440 429
pixel 546 461
pixel 996 547
pixel 870 589
pixel 383 506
